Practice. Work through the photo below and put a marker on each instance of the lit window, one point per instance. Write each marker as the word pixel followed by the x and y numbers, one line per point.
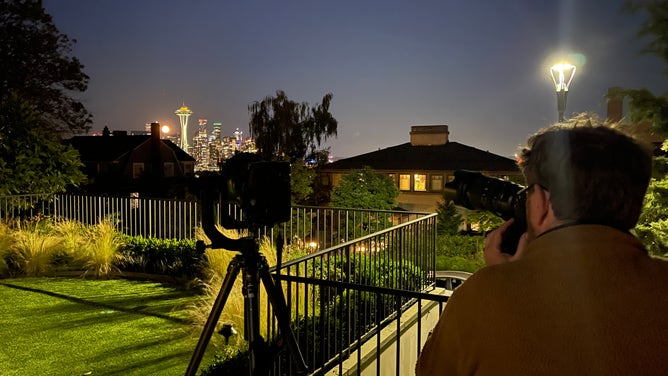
pixel 404 182
pixel 436 183
pixel 420 182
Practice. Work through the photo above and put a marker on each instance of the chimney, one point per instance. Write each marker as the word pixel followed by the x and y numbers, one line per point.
pixel 156 159
pixel 429 135
pixel 155 131
pixel 615 104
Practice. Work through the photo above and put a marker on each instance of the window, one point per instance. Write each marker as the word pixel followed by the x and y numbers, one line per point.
pixel 393 177
pixel 405 182
pixel 168 169
pixel 137 170
pixel 436 184
pixel 188 168
pixel 420 183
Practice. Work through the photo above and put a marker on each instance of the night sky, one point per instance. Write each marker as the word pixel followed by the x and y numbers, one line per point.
pixel 481 67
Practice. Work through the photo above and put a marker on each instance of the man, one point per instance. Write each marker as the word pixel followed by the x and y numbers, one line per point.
pixel 581 296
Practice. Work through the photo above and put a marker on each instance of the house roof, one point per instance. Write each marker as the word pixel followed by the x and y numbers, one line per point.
pixel 112 148
pixel 450 156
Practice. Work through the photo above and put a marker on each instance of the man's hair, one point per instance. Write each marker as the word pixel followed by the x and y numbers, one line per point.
pixel 594 174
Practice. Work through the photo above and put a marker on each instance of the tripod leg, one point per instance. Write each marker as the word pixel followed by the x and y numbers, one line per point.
pixel 232 271
pixel 280 307
pixel 251 288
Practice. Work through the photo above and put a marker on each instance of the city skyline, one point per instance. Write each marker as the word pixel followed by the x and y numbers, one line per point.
pixel 480 68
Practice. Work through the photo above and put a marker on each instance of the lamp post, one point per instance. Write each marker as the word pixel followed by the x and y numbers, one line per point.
pixel 562 75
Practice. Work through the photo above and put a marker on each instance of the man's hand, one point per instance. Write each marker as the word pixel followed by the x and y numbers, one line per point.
pixel 493 254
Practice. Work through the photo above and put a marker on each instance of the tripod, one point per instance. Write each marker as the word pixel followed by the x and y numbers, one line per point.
pixel 255 270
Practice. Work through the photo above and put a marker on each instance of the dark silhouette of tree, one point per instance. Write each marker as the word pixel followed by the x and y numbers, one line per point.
pixel 33 160
pixel 286 130
pixel 643 104
pixel 36 66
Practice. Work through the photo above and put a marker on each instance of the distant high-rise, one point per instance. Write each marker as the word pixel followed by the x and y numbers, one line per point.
pixel 184 113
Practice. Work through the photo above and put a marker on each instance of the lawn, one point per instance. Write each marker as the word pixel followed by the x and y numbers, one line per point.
pixel 73 326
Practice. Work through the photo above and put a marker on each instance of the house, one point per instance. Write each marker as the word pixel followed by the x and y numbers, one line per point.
pixel 121 164
pixel 421 167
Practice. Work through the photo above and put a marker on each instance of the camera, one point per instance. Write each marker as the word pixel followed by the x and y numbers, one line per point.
pixel 257 191
pixel 475 191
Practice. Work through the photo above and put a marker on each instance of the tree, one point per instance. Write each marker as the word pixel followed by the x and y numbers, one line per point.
pixel 652 226
pixel 301 181
pixel 284 129
pixel 37 66
pixel 448 220
pixel 365 189
pixel 642 103
pixel 32 160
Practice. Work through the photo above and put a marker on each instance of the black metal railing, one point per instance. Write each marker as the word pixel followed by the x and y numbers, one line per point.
pixel 346 296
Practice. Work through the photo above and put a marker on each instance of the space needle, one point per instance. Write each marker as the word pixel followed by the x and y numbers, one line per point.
pixel 183 113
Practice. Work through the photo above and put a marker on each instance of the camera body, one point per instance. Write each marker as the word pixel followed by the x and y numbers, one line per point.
pixel 259 189
pixel 475 191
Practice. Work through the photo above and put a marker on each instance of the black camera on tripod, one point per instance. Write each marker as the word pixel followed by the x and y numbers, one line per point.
pixel 475 191
pixel 257 190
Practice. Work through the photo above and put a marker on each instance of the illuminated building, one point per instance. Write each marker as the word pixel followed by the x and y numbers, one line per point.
pixel 184 113
pixel 199 148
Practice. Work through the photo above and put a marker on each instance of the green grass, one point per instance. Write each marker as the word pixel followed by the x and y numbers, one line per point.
pixel 71 326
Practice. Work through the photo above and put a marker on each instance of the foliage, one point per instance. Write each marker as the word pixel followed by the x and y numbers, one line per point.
pixel 37 67
pixel 652 227
pixel 643 105
pixel 103 252
pixel 34 249
pixel 448 220
pixel 655 26
pixel 229 361
pixel 365 189
pixel 460 252
pixel 483 221
pixel 176 258
pixel 301 183
pixel 31 159
pixel 284 129
pixel 41 247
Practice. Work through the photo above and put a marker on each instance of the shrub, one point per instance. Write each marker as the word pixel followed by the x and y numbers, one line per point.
pixel 6 241
pixel 34 248
pixel 176 258
pixel 75 239
pixel 230 361
pixel 103 249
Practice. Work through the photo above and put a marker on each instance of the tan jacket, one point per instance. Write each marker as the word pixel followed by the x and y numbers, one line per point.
pixel 585 300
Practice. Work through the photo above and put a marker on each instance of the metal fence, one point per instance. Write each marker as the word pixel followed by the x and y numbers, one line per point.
pixel 151 218
pixel 309 228
pixel 343 297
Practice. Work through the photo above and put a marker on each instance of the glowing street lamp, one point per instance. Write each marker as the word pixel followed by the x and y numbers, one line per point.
pixel 562 75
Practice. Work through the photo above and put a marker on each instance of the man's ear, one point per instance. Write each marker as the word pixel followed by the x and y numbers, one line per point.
pixel 545 218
